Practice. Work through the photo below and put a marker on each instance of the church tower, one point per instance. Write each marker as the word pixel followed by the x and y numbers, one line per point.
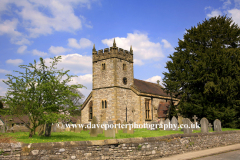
pixel 112 79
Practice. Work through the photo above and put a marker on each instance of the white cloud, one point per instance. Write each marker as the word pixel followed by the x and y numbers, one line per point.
pixel 4 71
pixel 21 49
pixel 154 79
pixel 83 43
pixel 138 62
pixel 235 14
pixel 15 62
pixel 214 13
pixel 9 27
pixel 58 50
pixel 39 53
pixel 226 4
pixel 76 63
pixel 43 17
pixel 85 80
pixel 166 44
pixel 20 41
pixel 143 48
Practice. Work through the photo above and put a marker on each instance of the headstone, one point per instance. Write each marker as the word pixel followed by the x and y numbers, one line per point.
pixel 204 125
pixel 3 128
pixel 217 125
pixel 118 126
pixel 161 124
pixel 53 128
pixel 93 130
pixel 67 129
pixel 72 128
pixel 180 118
pixel 78 128
pixel 209 127
pixel 167 125
pixel 195 122
pixel 85 127
pixel 60 127
pixel 110 132
pixel 174 123
pixel 104 123
pixel 187 126
pixel 130 128
pixel 100 130
pixel 124 127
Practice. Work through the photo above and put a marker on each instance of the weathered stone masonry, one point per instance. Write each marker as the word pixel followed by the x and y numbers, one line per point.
pixel 114 83
pixel 132 148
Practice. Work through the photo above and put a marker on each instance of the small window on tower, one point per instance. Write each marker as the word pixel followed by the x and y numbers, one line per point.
pixel 105 104
pixel 124 67
pixel 103 66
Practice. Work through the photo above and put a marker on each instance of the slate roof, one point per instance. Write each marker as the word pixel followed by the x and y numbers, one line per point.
pixel 163 109
pixel 150 88
pixel 14 119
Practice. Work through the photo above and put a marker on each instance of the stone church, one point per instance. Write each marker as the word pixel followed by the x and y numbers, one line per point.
pixel 116 95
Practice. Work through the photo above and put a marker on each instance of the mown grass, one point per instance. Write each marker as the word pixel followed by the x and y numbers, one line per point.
pixel 85 136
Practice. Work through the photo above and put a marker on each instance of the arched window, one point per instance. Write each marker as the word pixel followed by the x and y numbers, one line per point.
pixel 90 110
pixel 104 104
pixel 103 66
pixel 124 67
pixel 147 109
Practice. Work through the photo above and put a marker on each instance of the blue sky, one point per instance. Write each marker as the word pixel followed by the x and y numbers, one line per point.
pixel 30 29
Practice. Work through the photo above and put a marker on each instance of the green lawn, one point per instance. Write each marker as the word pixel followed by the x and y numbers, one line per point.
pixel 85 136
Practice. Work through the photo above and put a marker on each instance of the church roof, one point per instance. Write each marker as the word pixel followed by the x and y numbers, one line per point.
pixel 150 88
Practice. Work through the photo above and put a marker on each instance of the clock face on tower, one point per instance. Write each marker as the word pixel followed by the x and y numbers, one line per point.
pixel 125 80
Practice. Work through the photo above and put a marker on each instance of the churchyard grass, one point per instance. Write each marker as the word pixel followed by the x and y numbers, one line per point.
pixel 85 136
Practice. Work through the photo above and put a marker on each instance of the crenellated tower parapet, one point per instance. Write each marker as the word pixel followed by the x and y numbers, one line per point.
pixel 114 52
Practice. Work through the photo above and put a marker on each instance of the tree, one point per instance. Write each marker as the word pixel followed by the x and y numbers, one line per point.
pixel 205 71
pixel 41 92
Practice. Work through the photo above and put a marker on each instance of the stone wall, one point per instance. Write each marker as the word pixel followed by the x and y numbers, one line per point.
pixel 132 148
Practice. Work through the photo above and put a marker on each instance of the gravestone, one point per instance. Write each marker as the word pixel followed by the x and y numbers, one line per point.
pixel 195 122
pixel 180 118
pixel 110 132
pixel 85 127
pixel 118 126
pixel 93 130
pixel 125 128
pixel 79 128
pixel 130 128
pixel 104 123
pixel 3 128
pixel 53 128
pixel 60 127
pixel 187 126
pixel 217 125
pixel 204 125
pixel 154 125
pixel 72 128
pixel 67 129
pixel 100 130
pixel 161 124
pixel 174 123
pixel 209 127
pixel 167 123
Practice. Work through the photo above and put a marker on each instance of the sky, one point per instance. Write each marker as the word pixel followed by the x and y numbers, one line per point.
pixel 30 29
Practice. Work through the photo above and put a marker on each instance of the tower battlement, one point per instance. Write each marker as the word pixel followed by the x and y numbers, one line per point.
pixel 114 52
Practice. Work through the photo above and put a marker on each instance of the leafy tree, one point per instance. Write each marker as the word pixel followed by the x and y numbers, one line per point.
pixel 40 92
pixel 205 71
